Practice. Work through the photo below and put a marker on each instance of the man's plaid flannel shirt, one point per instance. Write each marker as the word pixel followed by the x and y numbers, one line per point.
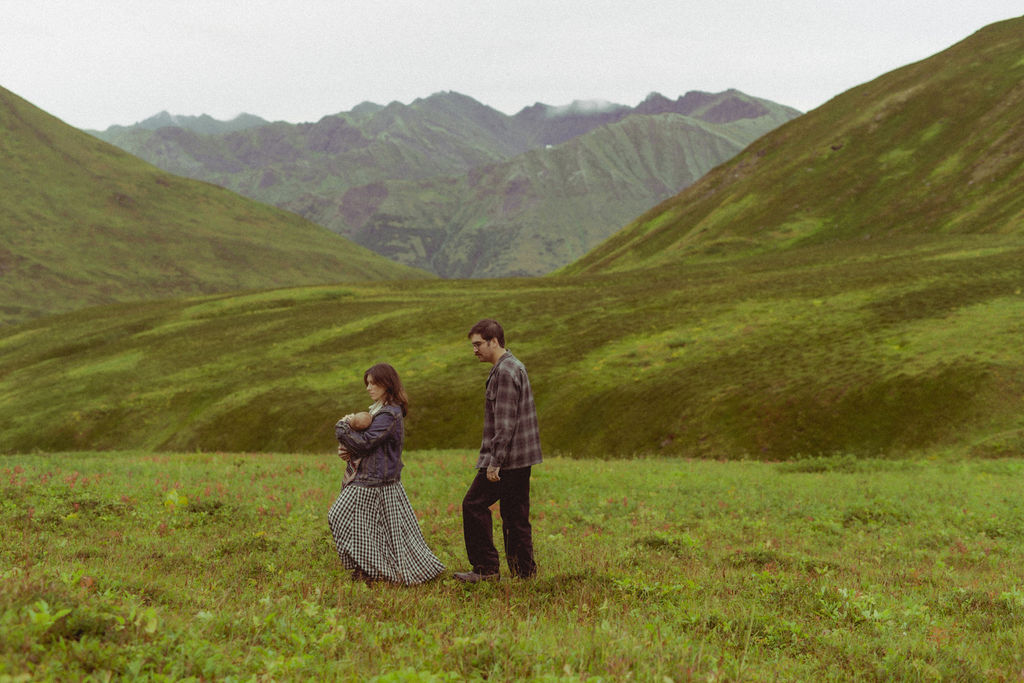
pixel 511 434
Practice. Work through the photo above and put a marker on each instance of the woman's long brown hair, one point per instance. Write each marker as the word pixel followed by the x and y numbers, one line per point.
pixel 387 377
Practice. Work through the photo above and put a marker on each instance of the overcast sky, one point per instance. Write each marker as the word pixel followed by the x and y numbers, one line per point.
pixel 94 63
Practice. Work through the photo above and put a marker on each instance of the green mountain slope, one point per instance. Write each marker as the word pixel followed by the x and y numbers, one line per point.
pixel 933 150
pixel 83 223
pixel 542 209
pixel 431 183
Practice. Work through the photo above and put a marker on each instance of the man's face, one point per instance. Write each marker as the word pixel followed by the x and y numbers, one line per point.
pixel 485 351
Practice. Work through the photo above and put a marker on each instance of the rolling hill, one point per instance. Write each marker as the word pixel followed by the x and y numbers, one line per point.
pixel 794 355
pixel 931 152
pixel 432 184
pixel 84 223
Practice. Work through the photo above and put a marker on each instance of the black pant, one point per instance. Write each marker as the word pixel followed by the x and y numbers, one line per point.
pixel 513 490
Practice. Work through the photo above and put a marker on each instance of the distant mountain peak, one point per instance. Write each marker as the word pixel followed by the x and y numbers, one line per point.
pixel 728 105
pixel 655 96
pixel 204 123
pixel 366 107
pixel 164 118
pixel 449 95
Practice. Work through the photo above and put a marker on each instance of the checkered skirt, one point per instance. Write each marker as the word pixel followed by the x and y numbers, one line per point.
pixel 375 530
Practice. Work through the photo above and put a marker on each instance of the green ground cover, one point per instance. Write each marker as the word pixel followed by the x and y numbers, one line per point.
pixel 219 566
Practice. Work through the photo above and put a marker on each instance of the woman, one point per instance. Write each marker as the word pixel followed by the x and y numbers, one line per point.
pixel 375 530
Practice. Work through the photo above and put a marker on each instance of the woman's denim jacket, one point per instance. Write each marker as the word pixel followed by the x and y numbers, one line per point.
pixel 379 445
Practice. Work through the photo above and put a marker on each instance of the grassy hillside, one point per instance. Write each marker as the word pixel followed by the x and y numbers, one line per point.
pixel 814 352
pixel 83 223
pixel 935 148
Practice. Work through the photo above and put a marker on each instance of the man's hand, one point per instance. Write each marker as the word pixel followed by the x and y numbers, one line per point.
pixel 343 454
pixel 492 473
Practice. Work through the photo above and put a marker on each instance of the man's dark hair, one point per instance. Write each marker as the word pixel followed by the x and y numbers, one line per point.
pixel 489 329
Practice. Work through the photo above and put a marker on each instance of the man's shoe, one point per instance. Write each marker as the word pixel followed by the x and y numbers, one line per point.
pixel 473 577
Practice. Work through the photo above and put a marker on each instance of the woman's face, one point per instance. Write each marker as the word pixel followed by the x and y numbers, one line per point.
pixel 375 390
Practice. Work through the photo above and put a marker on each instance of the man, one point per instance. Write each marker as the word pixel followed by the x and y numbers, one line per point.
pixel 510 447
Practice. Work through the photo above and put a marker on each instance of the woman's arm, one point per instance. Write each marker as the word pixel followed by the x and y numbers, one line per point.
pixel 364 442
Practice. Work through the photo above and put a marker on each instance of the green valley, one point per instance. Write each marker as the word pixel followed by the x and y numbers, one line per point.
pixel 851 283
pixel 782 411
pixel 773 358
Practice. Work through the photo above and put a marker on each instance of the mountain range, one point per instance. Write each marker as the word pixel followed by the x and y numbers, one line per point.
pixel 452 186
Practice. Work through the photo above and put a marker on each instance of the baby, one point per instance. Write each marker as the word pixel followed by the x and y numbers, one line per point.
pixel 359 422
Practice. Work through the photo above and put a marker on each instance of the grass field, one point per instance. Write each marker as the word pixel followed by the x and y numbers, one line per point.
pixel 219 566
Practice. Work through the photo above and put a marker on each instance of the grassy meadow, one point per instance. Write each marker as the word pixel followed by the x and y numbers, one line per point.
pixel 220 566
